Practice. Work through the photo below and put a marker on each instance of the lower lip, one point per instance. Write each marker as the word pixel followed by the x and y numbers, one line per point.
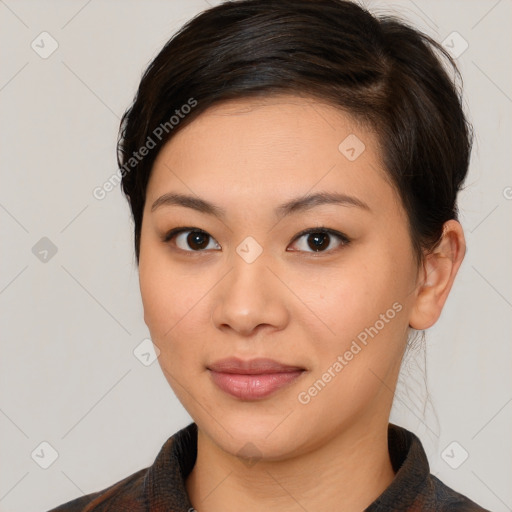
pixel 253 387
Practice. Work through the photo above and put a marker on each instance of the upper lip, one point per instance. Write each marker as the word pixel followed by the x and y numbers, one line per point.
pixel 257 366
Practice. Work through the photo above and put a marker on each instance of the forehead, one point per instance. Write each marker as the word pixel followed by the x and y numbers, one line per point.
pixel 271 147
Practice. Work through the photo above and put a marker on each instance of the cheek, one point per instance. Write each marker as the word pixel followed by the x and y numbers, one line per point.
pixel 351 296
pixel 175 306
pixel 160 291
pixel 362 345
pixel 363 307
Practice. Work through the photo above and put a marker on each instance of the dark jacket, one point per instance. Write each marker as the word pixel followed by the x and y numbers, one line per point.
pixel 161 487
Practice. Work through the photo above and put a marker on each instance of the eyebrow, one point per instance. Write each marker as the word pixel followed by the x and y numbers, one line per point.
pixel 299 204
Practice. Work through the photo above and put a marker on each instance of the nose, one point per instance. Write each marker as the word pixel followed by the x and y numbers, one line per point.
pixel 250 299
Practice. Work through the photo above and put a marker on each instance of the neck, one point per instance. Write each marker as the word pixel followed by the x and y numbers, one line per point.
pixel 348 474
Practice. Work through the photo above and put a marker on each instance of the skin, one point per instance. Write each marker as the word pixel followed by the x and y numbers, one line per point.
pixel 292 304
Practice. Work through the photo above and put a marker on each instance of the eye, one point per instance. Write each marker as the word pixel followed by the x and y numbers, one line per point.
pixel 191 239
pixel 317 239
pixel 320 239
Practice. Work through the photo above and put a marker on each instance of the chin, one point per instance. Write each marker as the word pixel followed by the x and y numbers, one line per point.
pixel 254 434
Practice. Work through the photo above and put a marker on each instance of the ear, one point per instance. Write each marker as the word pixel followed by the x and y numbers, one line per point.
pixel 436 275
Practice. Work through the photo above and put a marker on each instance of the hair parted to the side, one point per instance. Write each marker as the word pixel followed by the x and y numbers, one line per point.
pixel 383 72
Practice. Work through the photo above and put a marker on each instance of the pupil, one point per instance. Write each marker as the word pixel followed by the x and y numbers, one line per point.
pixel 319 241
pixel 197 240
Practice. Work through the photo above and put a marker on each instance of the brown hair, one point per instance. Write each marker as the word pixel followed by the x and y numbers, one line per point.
pixel 380 70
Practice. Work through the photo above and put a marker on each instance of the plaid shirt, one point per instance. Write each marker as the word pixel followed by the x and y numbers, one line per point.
pixel 161 487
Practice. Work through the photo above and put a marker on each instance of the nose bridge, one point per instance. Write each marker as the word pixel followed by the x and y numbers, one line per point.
pixel 250 275
pixel 249 296
pixel 250 250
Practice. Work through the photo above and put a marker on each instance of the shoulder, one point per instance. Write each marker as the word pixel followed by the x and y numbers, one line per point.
pixel 148 488
pixel 414 487
pixel 125 495
pixel 447 499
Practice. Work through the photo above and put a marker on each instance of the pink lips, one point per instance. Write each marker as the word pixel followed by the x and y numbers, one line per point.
pixel 253 379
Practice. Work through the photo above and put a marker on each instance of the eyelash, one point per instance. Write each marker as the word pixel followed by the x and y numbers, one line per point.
pixel 343 239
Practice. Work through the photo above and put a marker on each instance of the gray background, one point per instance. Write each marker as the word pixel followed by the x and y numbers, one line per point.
pixel 70 324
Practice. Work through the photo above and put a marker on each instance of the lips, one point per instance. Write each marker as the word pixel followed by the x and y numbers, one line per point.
pixel 252 379
pixel 251 367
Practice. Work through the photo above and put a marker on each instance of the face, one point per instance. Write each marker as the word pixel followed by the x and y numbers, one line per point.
pixel 271 231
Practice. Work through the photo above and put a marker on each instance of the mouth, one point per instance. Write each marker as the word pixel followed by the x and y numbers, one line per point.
pixel 253 379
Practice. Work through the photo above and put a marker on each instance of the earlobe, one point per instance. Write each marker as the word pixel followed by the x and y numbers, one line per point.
pixel 436 276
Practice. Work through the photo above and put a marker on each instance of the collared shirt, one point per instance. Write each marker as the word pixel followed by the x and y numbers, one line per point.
pixel 161 487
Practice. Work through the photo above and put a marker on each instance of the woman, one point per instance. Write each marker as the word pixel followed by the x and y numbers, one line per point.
pixel 292 169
